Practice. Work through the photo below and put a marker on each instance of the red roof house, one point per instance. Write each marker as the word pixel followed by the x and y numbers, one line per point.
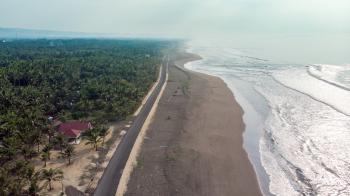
pixel 73 130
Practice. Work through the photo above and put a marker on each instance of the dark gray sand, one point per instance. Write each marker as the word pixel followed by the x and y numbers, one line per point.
pixel 194 145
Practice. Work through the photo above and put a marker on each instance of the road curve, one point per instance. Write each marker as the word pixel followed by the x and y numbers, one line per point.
pixel 110 179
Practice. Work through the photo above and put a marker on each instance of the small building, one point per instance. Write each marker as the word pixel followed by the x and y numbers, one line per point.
pixel 73 130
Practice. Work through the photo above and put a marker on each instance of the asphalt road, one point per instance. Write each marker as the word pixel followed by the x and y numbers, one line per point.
pixel 108 184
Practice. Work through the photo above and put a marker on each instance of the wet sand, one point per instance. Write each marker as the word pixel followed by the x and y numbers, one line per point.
pixel 194 144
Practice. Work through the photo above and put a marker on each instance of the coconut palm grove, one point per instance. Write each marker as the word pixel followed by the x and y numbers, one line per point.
pixel 46 81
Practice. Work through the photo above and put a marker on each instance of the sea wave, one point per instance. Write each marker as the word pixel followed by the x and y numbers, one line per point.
pixel 304 146
pixel 325 92
pixel 330 74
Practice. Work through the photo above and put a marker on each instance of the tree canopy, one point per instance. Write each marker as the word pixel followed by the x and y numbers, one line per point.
pixel 83 79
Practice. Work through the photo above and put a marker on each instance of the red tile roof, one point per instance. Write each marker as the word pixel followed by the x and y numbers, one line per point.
pixel 71 133
pixel 74 129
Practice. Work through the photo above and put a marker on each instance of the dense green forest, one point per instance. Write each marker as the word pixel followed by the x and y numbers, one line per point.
pixel 67 79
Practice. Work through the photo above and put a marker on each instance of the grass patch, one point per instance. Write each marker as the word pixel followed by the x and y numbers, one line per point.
pixel 173 154
pixel 139 163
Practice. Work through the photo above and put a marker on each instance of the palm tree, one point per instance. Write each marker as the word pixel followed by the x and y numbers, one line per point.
pixel 16 176
pixel 103 133
pixel 45 156
pixel 27 152
pixel 47 148
pixel 68 153
pixel 51 175
pixel 10 183
pixel 61 141
pixel 33 178
pixel 9 148
pixel 38 139
pixel 93 137
pixel 50 132
pixel 15 187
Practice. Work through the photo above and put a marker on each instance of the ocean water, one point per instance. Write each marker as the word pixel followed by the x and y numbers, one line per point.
pixel 297 118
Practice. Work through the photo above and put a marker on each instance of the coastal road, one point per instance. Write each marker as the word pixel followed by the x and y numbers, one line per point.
pixel 110 179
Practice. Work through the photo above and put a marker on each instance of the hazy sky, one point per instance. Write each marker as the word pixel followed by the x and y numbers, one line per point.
pixel 179 18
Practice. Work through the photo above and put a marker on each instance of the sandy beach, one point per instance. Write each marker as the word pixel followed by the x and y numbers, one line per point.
pixel 194 144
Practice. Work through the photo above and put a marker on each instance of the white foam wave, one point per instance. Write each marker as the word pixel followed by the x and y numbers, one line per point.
pixel 329 94
pixel 330 74
pixel 305 145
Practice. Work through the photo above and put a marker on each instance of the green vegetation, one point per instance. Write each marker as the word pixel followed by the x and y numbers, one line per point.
pixel 68 153
pixel 93 137
pixel 95 80
pixel 139 162
pixel 74 79
pixel 50 175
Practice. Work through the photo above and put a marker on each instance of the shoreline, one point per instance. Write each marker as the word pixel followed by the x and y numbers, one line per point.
pixel 194 146
pixel 253 131
pixel 260 173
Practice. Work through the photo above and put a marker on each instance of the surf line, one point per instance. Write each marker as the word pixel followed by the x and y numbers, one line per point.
pixel 336 109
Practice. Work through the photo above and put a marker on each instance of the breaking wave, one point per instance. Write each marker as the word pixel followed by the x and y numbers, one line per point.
pixel 297 115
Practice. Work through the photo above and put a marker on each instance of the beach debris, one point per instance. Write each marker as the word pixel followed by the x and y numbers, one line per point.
pixel 92 165
pixel 123 132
